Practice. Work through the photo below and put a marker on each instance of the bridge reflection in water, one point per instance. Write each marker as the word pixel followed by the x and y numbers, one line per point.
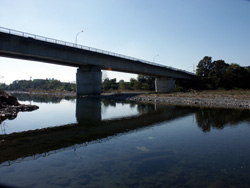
pixel 33 144
pixel 28 145
pixel 88 110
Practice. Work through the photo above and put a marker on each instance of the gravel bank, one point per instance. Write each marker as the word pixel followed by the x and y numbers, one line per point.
pixel 214 101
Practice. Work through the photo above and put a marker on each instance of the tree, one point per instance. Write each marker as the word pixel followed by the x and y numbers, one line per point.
pixel 237 77
pixel 133 82
pixel 124 85
pixel 109 84
pixel 203 70
pixel 148 82
pixel 217 73
pixel 40 84
pixel 204 67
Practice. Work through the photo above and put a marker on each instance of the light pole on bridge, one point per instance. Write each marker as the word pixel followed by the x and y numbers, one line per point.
pixel 78 34
pixel 155 57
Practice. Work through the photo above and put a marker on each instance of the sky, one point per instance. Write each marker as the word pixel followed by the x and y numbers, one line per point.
pixel 177 33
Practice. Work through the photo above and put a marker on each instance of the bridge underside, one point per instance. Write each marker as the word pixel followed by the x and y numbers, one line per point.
pixel 89 78
pixel 89 63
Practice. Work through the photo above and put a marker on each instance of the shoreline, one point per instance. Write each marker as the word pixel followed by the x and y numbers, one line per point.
pixel 42 93
pixel 215 99
pixel 194 100
pixel 198 102
pixel 11 111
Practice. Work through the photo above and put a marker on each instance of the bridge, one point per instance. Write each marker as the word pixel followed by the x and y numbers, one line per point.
pixel 89 61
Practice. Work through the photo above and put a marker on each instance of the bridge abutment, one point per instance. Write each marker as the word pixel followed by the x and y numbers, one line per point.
pixel 88 80
pixel 165 85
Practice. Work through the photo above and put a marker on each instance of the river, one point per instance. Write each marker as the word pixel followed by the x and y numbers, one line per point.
pixel 93 142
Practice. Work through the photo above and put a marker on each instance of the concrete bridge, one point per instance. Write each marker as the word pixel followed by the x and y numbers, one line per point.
pixel 90 61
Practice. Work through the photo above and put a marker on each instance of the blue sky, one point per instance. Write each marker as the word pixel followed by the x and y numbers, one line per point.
pixel 182 32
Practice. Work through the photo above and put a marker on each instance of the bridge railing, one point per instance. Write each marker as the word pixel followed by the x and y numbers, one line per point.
pixel 60 42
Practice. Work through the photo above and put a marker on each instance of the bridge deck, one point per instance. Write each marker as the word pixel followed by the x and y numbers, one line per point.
pixel 16 44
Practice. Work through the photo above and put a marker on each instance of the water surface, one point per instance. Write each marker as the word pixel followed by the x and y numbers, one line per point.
pixel 103 143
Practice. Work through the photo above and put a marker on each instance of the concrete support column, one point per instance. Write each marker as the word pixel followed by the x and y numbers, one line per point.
pixel 165 85
pixel 88 80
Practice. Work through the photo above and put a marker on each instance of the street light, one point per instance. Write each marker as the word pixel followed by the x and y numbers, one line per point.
pixel 78 34
pixel 155 57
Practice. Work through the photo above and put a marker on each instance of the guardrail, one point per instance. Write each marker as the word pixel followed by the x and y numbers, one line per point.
pixel 55 41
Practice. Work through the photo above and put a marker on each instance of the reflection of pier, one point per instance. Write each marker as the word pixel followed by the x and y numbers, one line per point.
pixel 88 110
pixel 89 128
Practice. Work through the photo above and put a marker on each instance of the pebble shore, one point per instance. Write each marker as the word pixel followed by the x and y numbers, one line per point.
pixel 215 101
pixel 219 102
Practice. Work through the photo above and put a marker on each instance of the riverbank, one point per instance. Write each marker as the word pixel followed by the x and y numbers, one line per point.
pixel 57 93
pixel 217 99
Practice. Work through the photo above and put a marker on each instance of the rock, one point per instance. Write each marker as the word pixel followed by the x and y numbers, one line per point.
pixel 9 106
pixel 28 107
pixel 8 99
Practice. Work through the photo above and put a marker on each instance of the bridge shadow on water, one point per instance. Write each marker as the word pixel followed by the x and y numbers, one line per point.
pixel 91 127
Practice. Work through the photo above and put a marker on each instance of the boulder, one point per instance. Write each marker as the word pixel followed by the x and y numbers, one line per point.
pixel 9 106
pixel 7 99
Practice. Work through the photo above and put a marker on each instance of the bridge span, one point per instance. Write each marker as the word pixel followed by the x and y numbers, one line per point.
pixel 90 61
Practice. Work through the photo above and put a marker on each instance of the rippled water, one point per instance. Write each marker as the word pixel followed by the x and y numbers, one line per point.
pixel 105 143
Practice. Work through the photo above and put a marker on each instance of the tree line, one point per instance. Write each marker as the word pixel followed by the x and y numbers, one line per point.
pixel 221 75
pixel 39 84
pixel 210 75
pixel 142 83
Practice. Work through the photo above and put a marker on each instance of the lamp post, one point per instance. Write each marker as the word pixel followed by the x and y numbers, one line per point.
pixel 78 34
pixel 155 57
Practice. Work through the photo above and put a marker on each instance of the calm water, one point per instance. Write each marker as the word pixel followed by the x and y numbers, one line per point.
pixel 103 143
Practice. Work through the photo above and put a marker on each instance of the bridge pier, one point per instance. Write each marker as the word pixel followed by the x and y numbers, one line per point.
pixel 88 80
pixel 165 85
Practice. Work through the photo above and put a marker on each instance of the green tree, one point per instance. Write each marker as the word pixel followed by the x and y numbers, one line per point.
pixel 133 83
pixel 124 85
pixel 204 67
pixel 109 84
pixel 237 77
pixel 216 74
pixel 147 82
pixel 40 84
pixel 203 70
